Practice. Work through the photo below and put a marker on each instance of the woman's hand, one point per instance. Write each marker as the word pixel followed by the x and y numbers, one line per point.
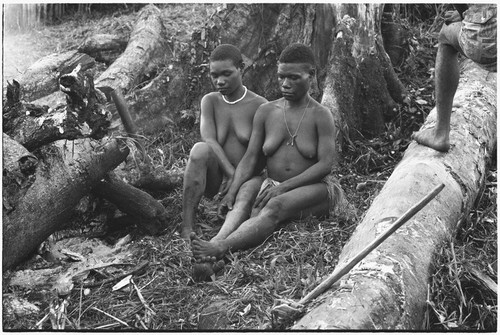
pixel 268 193
pixel 224 186
pixel 225 205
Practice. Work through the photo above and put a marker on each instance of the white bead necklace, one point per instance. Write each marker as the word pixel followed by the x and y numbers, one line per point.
pixel 235 101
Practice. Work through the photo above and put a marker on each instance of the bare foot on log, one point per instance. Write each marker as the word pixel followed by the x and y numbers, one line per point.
pixel 206 251
pixel 432 138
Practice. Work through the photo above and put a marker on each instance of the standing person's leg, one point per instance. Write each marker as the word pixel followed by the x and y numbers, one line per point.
pixel 447 75
pixel 242 207
pixel 300 202
pixel 202 176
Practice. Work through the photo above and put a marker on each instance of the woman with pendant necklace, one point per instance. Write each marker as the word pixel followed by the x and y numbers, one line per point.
pixel 295 134
pixel 225 128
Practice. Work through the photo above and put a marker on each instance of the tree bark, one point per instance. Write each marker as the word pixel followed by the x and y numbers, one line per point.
pixel 67 172
pixel 42 78
pixel 157 105
pixel 19 166
pixel 104 48
pixel 388 289
pixel 146 42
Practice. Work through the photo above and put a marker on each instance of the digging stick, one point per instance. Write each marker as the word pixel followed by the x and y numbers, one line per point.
pixel 342 270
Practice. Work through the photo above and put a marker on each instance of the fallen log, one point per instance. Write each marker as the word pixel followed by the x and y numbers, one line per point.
pixel 146 40
pixel 159 180
pixel 68 171
pixel 104 48
pixel 42 78
pixel 142 207
pixel 83 114
pixel 388 290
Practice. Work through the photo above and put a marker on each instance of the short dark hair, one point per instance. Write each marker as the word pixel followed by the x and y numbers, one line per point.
pixel 227 51
pixel 297 53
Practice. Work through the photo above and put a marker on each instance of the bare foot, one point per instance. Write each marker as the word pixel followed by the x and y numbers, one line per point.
pixel 205 251
pixel 431 138
pixel 205 271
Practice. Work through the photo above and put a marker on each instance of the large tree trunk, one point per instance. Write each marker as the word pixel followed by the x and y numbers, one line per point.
pixel 147 41
pixel 47 197
pixel 388 289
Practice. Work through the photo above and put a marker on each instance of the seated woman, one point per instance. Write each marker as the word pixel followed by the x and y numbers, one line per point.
pixel 296 136
pixel 225 127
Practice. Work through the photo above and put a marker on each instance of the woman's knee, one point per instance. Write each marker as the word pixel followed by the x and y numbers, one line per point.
pixel 200 152
pixel 274 209
pixel 448 35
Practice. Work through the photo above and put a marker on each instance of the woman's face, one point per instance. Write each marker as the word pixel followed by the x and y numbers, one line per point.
pixel 294 79
pixel 225 76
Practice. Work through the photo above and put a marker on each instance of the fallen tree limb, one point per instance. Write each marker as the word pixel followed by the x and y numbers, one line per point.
pixel 159 180
pixel 148 212
pixel 388 289
pixel 68 171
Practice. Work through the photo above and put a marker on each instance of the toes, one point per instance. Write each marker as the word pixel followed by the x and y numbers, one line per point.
pixel 193 236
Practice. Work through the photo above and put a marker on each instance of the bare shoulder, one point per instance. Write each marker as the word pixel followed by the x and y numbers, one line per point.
pixel 212 96
pixel 265 109
pixel 269 106
pixel 323 115
pixel 255 98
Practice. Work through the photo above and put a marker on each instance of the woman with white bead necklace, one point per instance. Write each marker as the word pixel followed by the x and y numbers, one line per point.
pixel 225 128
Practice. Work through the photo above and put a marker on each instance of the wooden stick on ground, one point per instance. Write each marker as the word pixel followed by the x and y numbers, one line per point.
pixel 288 308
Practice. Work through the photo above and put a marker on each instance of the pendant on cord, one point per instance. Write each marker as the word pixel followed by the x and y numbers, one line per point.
pixel 292 139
